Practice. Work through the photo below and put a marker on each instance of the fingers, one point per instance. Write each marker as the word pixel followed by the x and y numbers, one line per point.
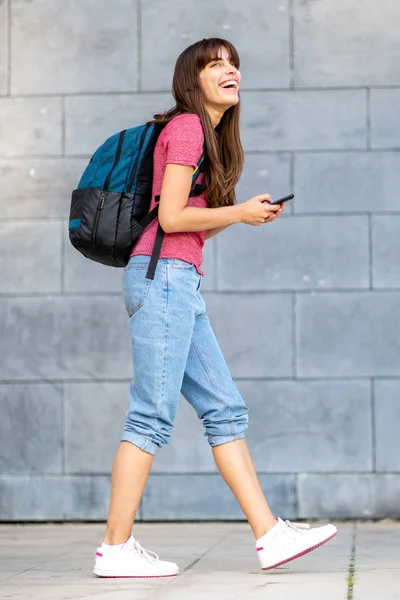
pixel 272 216
pixel 263 198
pixel 263 214
pixel 273 210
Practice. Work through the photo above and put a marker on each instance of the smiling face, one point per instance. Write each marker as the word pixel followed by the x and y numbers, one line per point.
pixel 220 81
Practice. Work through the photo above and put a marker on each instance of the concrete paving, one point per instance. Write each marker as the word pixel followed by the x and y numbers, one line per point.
pixel 217 561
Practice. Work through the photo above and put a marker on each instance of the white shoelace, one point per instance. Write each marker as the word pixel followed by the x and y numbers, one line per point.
pixel 152 557
pixel 290 533
pixel 299 527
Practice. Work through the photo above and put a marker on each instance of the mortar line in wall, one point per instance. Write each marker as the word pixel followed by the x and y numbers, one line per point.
pixel 65 294
pixel 9 48
pixel 324 150
pixel 32 219
pixel 302 291
pixel 294 336
pixel 370 253
pixel 373 426
pixel 292 180
pixel 291 44
pixel 278 152
pixel 139 45
pixel 377 150
pixel 368 112
pixel 63 462
pixel 30 157
pixel 297 495
pixel 63 126
pixel 71 474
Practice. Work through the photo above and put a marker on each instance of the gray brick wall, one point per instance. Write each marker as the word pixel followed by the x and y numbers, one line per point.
pixel 306 309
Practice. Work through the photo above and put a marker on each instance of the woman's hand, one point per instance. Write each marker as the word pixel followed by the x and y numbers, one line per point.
pixel 254 212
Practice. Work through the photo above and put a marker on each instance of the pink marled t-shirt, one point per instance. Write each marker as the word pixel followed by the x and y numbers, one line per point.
pixel 180 142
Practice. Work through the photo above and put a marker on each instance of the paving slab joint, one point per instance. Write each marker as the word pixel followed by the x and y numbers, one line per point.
pixel 352 564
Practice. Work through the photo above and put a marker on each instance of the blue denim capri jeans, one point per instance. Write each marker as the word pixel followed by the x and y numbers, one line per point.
pixel 174 351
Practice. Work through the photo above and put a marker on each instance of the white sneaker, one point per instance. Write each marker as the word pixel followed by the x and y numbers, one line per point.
pixel 131 560
pixel 287 541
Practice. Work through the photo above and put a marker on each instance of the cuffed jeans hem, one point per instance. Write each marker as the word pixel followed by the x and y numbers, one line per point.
pixel 217 440
pixel 139 441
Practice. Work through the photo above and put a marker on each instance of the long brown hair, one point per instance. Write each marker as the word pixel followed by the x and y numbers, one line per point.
pixel 224 159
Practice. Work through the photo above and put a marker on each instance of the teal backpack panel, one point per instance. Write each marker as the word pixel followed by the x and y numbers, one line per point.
pixel 106 160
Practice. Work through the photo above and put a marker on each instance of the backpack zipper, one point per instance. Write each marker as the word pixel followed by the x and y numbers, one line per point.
pixel 103 192
pixel 97 217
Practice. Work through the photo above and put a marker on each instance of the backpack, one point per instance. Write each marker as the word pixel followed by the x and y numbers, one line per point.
pixel 110 207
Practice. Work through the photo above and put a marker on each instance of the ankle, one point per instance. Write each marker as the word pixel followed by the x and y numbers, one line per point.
pixel 115 538
pixel 259 532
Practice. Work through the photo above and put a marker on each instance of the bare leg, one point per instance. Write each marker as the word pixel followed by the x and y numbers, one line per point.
pixel 129 475
pixel 236 467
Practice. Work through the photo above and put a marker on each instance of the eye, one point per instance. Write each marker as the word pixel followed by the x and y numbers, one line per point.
pixel 216 64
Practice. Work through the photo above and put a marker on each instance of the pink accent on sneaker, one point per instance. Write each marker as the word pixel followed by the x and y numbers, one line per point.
pixel 98 554
pixel 300 553
pixel 261 548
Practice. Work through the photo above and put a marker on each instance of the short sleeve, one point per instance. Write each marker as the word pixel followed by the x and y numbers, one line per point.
pixel 183 140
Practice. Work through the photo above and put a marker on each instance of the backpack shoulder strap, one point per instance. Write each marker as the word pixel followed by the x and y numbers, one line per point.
pixel 198 188
pixel 198 168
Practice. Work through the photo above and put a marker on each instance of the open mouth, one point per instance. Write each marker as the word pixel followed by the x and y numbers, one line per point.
pixel 230 85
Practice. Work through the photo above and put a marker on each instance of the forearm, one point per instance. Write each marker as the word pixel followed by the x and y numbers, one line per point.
pixel 211 232
pixel 192 218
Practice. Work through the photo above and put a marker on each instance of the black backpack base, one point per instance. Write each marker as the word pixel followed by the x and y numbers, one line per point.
pixel 109 239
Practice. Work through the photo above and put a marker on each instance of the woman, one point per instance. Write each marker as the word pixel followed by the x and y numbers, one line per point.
pixel 173 346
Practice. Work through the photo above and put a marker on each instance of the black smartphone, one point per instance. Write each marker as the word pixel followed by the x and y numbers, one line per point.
pixel 282 200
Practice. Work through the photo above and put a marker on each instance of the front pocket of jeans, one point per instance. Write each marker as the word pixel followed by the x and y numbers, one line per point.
pixel 181 265
pixel 136 289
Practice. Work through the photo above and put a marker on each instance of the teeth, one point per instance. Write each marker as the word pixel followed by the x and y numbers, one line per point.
pixel 226 83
